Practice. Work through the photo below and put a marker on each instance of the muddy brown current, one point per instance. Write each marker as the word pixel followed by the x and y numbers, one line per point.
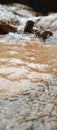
pixel 28 86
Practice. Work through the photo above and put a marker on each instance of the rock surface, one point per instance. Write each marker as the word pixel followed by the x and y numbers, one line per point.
pixel 42 32
pixel 29 27
pixel 6 28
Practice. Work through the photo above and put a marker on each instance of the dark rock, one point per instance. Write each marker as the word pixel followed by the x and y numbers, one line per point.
pixel 46 33
pixel 29 26
pixel 6 28
pixel 43 33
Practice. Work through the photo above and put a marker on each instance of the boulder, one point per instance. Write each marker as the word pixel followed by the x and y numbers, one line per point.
pixel 6 28
pixel 43 33
pixel 29 26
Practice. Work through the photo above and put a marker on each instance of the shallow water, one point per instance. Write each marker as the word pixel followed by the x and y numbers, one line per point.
pixel 28 86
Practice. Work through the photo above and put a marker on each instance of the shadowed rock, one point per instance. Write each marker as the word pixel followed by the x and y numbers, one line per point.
pixel 29 26
pixel 42 32
pixel 6 28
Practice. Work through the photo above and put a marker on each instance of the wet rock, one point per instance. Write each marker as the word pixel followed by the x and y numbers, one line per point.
pixel 46 33
pixel 29 26
pixel 6 28
pixel 43 33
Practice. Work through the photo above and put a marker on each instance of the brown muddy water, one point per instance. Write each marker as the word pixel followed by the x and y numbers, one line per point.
pixel 28 86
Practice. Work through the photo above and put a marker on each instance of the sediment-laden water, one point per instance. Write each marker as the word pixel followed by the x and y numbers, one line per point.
pixel 28 86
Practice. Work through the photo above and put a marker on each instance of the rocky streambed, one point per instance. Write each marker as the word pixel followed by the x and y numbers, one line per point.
pixel 28 69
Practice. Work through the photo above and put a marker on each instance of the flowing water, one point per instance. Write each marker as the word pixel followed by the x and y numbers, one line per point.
pixel 28 86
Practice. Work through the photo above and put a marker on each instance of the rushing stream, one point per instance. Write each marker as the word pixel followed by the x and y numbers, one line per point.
pixel 28 86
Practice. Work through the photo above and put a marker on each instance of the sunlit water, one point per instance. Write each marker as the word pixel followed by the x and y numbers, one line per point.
pixel 28 86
